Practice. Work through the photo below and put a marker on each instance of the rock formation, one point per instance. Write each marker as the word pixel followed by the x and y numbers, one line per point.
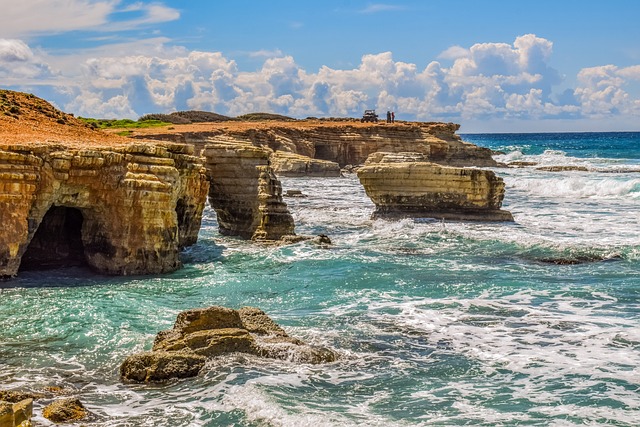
pixel 16 414
pixel 71 195
pixel 341 142
pixel 121 210
pixel 65 410
pixel 201 334
pixel 245 192
pixel 424 189
pixel 295 165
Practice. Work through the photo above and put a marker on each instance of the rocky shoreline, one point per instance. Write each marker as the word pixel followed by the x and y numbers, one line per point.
pixel 73 195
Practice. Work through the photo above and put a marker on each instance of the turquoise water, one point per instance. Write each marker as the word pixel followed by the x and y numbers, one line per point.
pixel 436 323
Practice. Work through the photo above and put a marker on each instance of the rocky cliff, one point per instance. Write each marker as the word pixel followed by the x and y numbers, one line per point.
pixel 124 209
pixel 245 192
pixel 343 143
pixel 407 185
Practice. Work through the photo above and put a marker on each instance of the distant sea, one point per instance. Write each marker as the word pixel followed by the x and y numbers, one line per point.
pixel 437 323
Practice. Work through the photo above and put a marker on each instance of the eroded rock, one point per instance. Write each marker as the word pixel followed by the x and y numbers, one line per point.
pixel 245 193
pixel 422 189
pixel 296 165
pixel 65 410
pixel 126 209
pixel 204 333
pixel 160 366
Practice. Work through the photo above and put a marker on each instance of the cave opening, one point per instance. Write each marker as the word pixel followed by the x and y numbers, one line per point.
pixel 57 242
pixel 325 152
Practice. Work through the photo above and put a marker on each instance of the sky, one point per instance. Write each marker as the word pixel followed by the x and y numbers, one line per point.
pixel 489 65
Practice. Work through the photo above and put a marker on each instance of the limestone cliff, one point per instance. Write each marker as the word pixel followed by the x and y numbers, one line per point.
pixel 423 189
pixel 295 165
pixel 125 209
pixel 344 143
pixel 245 192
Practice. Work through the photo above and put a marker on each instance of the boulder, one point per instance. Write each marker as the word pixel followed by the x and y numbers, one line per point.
pixel 160 366
pixel 22 412
pixel 401 188
pixel 6 414
pixel 200 334
pixel 65 410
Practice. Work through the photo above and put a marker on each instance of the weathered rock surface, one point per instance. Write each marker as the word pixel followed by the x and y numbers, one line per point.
pixel 16 414
pixel 245 192
pixel 126 209
pixel 160 366
pixel 559 168
pixel 423 189
pixel 344 143
pixel 65 410
pixel 203 333
pixel 296 165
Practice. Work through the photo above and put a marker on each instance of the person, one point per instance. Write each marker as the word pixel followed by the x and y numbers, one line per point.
pixel 393 117
pixel 388 116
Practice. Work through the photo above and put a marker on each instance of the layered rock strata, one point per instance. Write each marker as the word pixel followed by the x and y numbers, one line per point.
pixel 295 165
pixel 126 209
pixel 201 334
pixel 245 192
pixel 344 143
pixel 422 189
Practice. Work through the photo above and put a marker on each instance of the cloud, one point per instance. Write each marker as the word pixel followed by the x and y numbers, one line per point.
pixel 485 82
pixel 379 7
pixel 454 52
pixel 263 53
pixel 601 91
pixel 18 63
pixel 14 51
pixel 35 17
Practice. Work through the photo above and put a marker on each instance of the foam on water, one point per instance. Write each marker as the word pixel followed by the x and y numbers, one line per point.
pixel 436 323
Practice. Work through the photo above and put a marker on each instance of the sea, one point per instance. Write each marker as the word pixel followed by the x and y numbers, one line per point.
pixel 437 323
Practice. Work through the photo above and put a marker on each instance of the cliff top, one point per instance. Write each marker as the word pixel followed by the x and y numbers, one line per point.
pixel 26 119
pixel 302 125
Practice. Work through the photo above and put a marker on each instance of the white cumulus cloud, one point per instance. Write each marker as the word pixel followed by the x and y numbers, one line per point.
pixel 486 81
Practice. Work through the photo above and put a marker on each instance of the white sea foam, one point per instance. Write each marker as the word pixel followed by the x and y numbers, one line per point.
pixel 577 343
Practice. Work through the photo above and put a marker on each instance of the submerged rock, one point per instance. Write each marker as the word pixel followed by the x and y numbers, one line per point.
pixel 580 259
pixel 521 164
pixel 294 193
pixel 204 333
pixel 65 410
pixel 563 169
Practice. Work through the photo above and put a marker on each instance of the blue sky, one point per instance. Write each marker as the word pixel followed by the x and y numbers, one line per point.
pixel 492 66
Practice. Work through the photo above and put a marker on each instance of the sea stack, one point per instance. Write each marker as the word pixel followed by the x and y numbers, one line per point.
pixel 403 185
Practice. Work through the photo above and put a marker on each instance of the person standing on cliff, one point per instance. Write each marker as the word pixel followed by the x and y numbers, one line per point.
pixel 388 116
pixel 393 117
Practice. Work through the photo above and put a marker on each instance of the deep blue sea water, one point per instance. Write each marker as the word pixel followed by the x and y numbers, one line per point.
pixel 437 323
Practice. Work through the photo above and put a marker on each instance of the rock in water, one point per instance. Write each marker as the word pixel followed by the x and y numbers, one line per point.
pixel 422 189
pixel 65 410
pixel 160 366
pixel 203 333
pixel 245 193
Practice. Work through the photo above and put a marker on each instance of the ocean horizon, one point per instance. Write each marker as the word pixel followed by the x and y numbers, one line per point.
pixel 535 322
